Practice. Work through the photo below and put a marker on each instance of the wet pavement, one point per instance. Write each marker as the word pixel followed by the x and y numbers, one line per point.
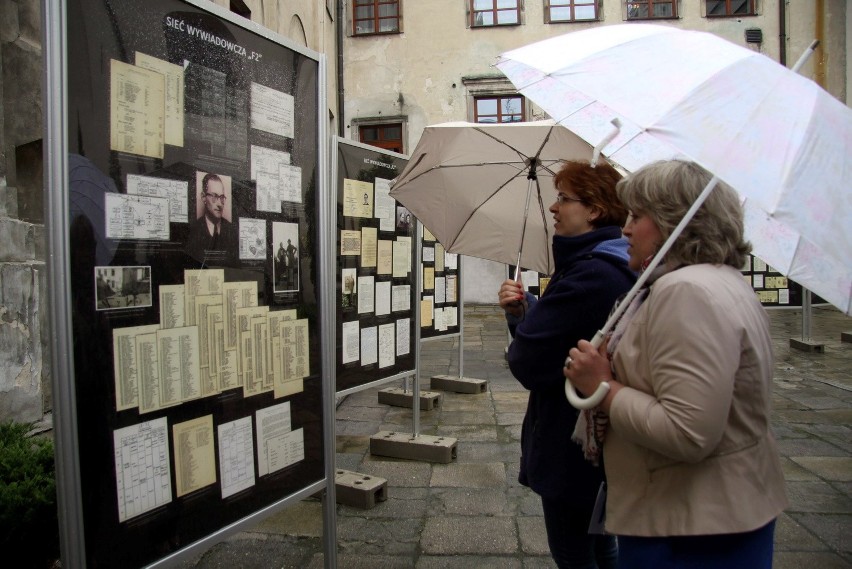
pixel 473 513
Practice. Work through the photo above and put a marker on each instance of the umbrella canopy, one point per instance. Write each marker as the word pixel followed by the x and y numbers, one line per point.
pixel 470 185
pixel 777 138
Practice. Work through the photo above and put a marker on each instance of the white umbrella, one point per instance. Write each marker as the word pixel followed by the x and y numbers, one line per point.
pixel 477 187
pixel 777 138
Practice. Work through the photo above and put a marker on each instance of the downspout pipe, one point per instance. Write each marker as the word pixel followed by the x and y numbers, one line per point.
pixel 782 32
pixel 341 127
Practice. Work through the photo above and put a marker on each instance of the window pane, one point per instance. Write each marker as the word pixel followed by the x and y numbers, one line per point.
pixel 393 133
pixel 363 12
pixel 584 13
pixel 740 6
pixel 486 106
pixel 490 119
pixel 483 4
pixel 369 133
pixel 662 10
pixel 365 27
pixel 560 14
pixel 484 19
pixel 388 25
pixel 511 106
pixel 715 7
pixel 555 3
pixel 507 3
pixel 386 10
pixel 507 17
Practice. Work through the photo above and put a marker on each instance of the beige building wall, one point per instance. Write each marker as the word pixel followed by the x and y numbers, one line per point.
pixel 429 72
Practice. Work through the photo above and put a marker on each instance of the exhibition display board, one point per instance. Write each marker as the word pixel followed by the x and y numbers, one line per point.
pixel 440 294
pixel 375 274
pixel 192 162
pixel 772 288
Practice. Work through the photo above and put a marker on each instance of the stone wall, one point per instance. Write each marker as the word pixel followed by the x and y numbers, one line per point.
pixel 24 354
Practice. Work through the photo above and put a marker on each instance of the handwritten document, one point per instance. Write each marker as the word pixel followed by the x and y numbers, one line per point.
pixel 369 236
pixel 349 340
pixel 384 257
pixel 403 336
pixel 386 341
pixel 400 298
pixel 350 242
pixel 271 110
pixel 369 345
pixel 401 256
pixel 142 470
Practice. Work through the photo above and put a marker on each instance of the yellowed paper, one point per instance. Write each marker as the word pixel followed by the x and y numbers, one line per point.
pixel 428 278
pixel 369 236
pixel 180 374
pixel 203 303
pixel 295 349
pixel 357 198
pixel 137 110
pixel 214 317
pixel 426 313
pixel 274 319
pixel 226 360
pixel 384 257
pixel 776 282
pixel 198 282
pixel 769 296
pixel 452 285
pixel 427 235
pixel 172 301
pixel 148 374
pixel 439 258
pixel 542 284
pixel 236 295
pixel 125 366
pixel 173 77
pixel 350 242
pixel 195 455
pixel 260 331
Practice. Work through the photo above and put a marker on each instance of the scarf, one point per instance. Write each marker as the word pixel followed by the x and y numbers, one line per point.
pixel 590 429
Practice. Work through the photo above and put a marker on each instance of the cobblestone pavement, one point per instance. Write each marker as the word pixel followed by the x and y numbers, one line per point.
pixel 473 513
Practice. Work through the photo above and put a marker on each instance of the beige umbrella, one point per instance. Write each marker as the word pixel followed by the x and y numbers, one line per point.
pixel 478 187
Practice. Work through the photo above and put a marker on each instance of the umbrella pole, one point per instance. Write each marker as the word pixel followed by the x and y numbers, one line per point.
pixel 531 177
pixel 595 399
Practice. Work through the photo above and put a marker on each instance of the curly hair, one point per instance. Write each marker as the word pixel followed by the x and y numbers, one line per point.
pixel 596 187
pixel 665 190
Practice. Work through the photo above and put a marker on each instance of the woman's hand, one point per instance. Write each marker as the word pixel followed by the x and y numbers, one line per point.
pixel 587 367
pixel 511 297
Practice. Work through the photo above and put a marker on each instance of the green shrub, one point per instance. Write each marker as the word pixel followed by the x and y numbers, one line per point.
pixel 28 519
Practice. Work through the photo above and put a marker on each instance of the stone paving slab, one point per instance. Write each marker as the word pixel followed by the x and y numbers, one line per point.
pixel 473 513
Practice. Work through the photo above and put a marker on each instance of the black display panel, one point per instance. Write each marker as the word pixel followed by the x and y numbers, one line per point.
pixel 193 166
pixel 440 306
pixel 375 269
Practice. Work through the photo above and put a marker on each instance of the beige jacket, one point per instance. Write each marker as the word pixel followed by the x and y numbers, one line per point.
pixel 689 451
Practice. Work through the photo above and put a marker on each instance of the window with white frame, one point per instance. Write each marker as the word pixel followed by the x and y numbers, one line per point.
pixel 556 11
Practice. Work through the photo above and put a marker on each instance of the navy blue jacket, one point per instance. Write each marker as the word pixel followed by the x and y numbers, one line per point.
pixel 591 273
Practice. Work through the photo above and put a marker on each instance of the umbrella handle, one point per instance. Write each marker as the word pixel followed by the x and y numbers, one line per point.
pixel 595 399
